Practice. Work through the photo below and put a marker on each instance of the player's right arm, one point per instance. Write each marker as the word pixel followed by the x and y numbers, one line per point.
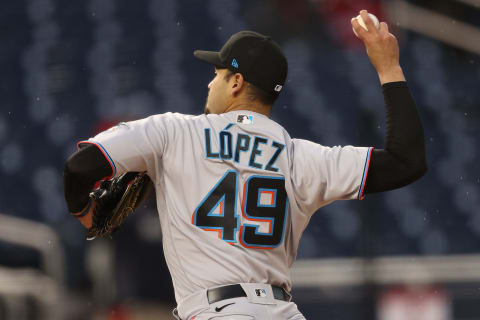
pixel 403 159
pixel 321 174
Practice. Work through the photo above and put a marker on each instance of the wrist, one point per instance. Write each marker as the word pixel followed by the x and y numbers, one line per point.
pixel 85 216
pixel 85 210
pixel 393 74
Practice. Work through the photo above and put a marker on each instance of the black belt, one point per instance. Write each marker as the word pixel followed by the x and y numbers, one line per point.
pixel 236 291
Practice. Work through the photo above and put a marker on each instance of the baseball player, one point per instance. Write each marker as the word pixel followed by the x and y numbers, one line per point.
pixel 234 191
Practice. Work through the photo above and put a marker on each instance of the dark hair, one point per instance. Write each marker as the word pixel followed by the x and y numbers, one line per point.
pixel 254 92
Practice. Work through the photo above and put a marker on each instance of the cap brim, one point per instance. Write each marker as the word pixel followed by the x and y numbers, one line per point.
pixel 211 57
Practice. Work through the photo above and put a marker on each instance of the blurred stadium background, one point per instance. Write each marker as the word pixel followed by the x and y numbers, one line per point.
pixel 72 68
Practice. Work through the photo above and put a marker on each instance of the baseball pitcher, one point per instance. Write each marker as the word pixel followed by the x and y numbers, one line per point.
pixel 234 191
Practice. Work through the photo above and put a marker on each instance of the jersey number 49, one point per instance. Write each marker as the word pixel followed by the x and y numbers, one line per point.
pixel 264 200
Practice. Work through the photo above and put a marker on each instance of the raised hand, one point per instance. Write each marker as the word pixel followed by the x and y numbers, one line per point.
pixel 382 48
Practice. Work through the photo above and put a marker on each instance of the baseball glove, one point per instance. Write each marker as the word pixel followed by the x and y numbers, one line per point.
pixel 116 199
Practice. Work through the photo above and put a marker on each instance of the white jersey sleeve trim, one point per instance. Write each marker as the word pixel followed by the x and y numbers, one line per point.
pixel 361 195
pixel 105 154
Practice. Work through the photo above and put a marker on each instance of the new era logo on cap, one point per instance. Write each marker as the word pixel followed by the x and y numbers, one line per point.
pixel 278 88
pixel 235 63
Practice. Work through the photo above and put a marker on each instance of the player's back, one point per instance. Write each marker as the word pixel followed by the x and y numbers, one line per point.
pixel 234 192
pixel 226 212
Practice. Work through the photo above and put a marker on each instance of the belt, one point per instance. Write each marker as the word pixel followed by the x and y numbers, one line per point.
pixel 236 291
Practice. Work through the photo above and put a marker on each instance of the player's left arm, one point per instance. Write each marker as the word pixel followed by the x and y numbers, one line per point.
pixel 403 159
pixel 128 147
pixel 83 170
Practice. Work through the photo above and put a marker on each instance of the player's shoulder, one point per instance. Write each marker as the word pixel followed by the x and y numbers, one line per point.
pixel 304 142
pixel 310 147
pixel 172 118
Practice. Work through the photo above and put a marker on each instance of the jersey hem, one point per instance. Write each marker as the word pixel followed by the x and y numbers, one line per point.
pixel 361 194
pixel 105 154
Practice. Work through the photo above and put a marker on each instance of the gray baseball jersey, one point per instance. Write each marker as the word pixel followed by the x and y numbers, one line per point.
pixel 234 191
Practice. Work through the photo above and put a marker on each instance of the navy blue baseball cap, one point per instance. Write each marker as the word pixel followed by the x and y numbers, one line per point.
pixel 258 58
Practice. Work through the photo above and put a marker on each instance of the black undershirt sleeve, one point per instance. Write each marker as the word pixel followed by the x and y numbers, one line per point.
pixel 403 160
pixel 82 170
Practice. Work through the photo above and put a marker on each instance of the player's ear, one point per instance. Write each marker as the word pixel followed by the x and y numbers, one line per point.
pixel 237 84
